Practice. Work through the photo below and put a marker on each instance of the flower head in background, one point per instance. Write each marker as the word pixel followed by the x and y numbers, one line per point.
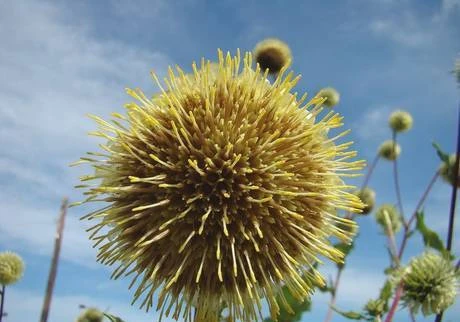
pixel 11 268
pixel 456 70
pixel 91 315
pixel 447 170
pixel 367 196
pixel 388 212
pixel 430 284
pixel 221 190
pixel 389 150
pixel 331 95
pixel 272 54
pixel 400 121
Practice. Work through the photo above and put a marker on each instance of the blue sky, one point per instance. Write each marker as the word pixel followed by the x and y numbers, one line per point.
pixel 60 60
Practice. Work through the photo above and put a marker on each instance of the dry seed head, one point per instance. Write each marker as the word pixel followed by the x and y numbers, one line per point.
pixel 367 196
pixel 91 315
pixel 389 150
pixel 331 95
pixel 221 190
pixel 11 268
pixel 447 170
pixel 431 284
pixel 400 121
pixel 393 216
pixel 272 54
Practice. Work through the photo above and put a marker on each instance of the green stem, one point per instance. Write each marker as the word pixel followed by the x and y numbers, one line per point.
pixel 2 301
pixel 453 200
pixel 396 177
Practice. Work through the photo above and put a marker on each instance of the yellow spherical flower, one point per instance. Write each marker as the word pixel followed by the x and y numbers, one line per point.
pixel 272 54
pixel 11 268
pixel 389 150
pixel 91 315
pixel 430 283
pixel 400 121
pixel 221 190
pixel 331 95
pixel 447 170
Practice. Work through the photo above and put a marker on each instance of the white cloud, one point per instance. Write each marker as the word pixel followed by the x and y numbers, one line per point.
pixel 373 124
pixel 405 30
pixel 53 73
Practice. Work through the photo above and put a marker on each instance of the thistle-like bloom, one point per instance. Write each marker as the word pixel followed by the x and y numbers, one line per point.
pixel 331 95
pixel 389 150
pixel 11 268
pixel 272 54
pixel 367 196
pixel 388 216
pixel 400 121
pixel 430 283
pixel 221 190
pixel 447 170
pixel 91 315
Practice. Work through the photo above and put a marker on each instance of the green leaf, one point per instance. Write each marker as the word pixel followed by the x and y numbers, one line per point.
pixel 430 237
pixel 386 291
pixel 352 315
pixel 442 155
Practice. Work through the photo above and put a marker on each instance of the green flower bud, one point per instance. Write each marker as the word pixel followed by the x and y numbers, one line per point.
pixel 388 150
pixel 11 268
pixel 367 196
pixel 375 308
pixel 430 283
pixel 447 170
pixel 91 315
pixel 331 95
pixel 393 216
pixel 400 121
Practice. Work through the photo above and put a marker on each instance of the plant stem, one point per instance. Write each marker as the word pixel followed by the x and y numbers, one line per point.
pixel 370 171
pixel 334 295
pixel 2 301
pixel 54 262
pixel 394 305
pixel 414 214
pixel 396 177
pixel 453 200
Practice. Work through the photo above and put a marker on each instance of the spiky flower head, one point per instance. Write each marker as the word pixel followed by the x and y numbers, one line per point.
pixel 222 190
pixel 447 170
pixel 388 216
pixel 331 95
pixel 389 150
pixel 91 315
pixel 430 283
pixel 400 121
pixel 367 196
pixel 272 54
pixel 11 268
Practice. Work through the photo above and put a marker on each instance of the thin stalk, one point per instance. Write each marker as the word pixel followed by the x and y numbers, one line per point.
pixel 2 301
pixel 334 297
pixel 414 214
pixel 394 305
pixel 453 200
pixel 54 262
pixel 349 215
pixel 396 177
